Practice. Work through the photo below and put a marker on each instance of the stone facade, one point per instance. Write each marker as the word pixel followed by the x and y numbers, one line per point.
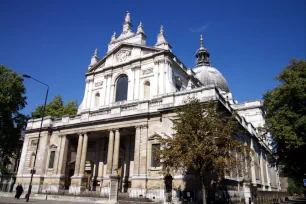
pixel 128 103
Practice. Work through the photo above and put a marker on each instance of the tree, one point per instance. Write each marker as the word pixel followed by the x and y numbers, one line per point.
pixel 285 108
pixel 12 101
pixel 205 142
pixel 57 108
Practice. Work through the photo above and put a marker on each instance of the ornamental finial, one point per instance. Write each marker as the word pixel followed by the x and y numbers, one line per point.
pixel 140 28
pixel 161 30
pixel 128 17
pixel 201 41
pixel 113 37
pixel 96 52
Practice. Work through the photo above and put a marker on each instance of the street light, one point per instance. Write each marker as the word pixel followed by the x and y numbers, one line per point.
pixel 37 145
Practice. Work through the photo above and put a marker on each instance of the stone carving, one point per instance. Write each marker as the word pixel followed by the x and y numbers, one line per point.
pixel 103 112
pixel 147 71
pixel 136 67
pixel 99 83
pixel 34 142
pixel 123 55
pixel 155 103
pixel 159 61
pixel 128 108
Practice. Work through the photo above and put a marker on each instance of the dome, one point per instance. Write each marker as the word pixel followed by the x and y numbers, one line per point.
pixel 207 74
pixel 211 76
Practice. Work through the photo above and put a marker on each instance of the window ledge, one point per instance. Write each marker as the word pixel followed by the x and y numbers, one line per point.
pixel 156 168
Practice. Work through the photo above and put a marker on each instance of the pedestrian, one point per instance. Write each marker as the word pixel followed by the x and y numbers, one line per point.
pixel 19 191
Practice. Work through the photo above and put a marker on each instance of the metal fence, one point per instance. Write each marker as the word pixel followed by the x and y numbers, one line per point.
pixel 265 197
pixel 7 182
pixel 62 191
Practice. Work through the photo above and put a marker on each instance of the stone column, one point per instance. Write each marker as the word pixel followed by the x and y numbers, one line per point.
pixel 63 155
pixel 101 160
pixel 137 152
pixel 267 172
pixel 110 152
pixel 78 156
pixel 253 175
pixel 262 177
pixel 126 160
pixel 84 154
pixel 116 152
pixel 97 159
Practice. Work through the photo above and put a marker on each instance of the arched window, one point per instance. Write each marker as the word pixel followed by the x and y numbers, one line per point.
pixel 121 88
pixel 97 100
pixel 146 94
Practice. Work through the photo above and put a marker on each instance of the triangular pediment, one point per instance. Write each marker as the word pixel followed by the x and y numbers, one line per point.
pixel 155 136
pixel 123 53
pixel 52 146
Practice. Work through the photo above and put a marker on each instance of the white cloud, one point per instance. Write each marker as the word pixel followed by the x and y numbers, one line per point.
pixel 199 29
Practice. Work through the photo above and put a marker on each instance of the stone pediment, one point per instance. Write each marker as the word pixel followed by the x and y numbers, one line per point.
pixel 122 53
pixel 53 146
pixel 155 136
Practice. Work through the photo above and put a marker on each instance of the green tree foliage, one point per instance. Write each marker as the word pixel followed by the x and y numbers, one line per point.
pixel 57 108
pixel 204 143
pixel 295 187
pixel 12 101
pixel 285 108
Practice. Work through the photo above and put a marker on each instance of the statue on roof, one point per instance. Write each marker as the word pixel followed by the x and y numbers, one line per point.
pixel 127 17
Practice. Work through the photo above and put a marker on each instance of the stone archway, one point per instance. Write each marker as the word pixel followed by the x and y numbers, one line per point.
pixel 69 171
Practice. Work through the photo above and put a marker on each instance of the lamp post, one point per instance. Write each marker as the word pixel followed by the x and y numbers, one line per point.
pixel 37 145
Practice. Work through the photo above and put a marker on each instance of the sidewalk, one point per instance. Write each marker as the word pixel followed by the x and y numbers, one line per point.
pixel 41 198
pixel 5 200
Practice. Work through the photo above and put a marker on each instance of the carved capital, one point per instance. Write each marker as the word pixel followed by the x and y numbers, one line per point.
pixel 111 129
pixel 141 126
pixel 144 126
pixel 159 61
pixel 89 80
pixel 108 75
pixel 168 61
pixel 81 133
pixel 62 135
pixel 135 67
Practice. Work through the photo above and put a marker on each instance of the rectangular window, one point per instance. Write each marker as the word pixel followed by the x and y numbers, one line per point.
pixel 154 160
pixel 51 161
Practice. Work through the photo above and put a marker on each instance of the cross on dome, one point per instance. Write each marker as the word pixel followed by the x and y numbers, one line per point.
pixel 201 41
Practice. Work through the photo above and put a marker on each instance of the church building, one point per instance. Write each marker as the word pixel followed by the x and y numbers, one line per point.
pixel 129 101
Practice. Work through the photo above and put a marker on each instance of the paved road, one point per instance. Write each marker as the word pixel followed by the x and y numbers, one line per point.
pixel 296 201
pixel 5 200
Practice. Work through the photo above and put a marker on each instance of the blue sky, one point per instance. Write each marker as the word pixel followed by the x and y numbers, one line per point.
pixel 250 42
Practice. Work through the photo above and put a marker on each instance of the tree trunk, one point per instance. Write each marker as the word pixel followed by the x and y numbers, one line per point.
pixel 204 193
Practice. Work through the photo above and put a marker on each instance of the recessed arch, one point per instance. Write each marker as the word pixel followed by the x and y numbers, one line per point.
pixel 121 88
pixel 97 100
pixel 146 90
